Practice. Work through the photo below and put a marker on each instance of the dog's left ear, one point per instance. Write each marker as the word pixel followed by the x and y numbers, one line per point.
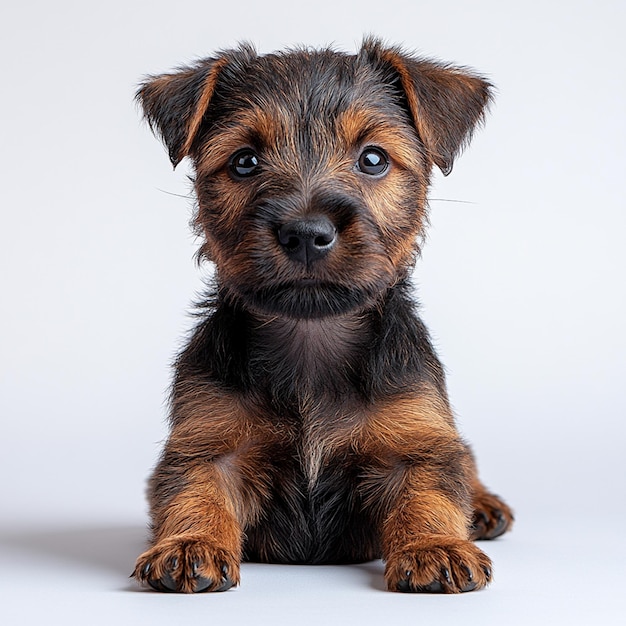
pixel 445 102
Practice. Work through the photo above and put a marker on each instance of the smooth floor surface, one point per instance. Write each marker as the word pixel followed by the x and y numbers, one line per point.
pixel 556 572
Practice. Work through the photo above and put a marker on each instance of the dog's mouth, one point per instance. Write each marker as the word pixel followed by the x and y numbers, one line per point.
pixel 308 298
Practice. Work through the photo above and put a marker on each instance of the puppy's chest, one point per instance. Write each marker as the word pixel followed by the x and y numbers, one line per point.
pixel 329 434
pixel 308 365
pixel 311 373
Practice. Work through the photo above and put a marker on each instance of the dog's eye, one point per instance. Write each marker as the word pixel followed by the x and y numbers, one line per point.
pixel 373 161
pixel 244 163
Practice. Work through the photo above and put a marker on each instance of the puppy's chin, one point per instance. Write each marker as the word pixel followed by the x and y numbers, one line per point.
pixel 307 299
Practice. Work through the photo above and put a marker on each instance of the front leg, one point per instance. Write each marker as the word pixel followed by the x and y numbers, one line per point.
pixel 196 535
pixel 204 490
pixel 424 485
pixel 426 545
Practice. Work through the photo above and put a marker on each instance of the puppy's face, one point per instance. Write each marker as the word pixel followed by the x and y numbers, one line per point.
pixel 310 183
pixel 311 171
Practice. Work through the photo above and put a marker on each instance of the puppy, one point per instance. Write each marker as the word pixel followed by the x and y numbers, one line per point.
pixel 310 421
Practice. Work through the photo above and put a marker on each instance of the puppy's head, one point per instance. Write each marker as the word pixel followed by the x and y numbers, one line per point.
pixel 312 166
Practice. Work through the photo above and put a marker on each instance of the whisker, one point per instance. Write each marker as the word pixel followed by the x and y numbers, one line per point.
pixel 447 200
pixel 178 195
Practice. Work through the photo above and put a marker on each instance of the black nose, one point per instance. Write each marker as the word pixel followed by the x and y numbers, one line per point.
pixel 309 239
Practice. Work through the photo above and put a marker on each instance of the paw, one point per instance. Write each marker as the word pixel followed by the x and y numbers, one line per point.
pixel 438 564
pixel 187 564
pixel 492 516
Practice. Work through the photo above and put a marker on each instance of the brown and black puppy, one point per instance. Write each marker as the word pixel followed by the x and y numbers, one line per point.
pixel 310 421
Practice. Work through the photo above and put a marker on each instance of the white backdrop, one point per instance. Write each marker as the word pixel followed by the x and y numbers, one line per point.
pixel 522 287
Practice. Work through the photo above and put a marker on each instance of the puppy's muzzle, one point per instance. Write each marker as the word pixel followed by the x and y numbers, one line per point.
pixel 307 240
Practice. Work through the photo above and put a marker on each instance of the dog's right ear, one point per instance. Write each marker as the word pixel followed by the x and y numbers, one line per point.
pixel 175 104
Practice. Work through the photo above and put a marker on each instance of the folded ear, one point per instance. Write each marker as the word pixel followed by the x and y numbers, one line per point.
pixel 445 102
pixel 175 104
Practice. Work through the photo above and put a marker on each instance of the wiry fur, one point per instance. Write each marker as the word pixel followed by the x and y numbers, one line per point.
pixel 310 420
